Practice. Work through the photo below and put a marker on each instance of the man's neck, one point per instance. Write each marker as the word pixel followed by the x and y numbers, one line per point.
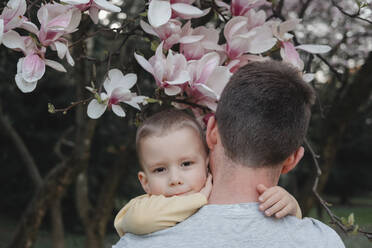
pixel 239 184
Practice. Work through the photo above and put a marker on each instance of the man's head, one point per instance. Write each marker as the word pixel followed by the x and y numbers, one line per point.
pixel 172 153
pixel 263 113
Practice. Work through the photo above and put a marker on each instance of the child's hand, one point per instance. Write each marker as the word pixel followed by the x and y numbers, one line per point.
pixel 278 202
pixel 208 186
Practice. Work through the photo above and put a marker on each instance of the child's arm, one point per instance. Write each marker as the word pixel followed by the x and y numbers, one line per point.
pixel 278 202
pixel 146 214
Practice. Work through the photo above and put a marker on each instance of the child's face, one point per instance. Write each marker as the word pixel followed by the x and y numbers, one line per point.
pixel 174 164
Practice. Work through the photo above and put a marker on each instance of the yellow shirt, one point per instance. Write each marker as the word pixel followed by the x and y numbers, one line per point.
pixel 149 213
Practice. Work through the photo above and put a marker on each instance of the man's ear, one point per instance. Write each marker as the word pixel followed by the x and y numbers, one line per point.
pixel 212 133
pixel 144 182
pixel 292 160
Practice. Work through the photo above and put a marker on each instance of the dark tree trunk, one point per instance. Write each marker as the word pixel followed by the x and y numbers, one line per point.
pixel 95 218
pixel 58 236
pixel 62 175
pixel 343 110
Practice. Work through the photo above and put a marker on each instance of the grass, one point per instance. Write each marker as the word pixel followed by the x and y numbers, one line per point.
pixel 362 210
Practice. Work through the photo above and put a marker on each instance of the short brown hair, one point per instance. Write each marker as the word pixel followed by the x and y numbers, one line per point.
pixel 165 121
pixel 263 113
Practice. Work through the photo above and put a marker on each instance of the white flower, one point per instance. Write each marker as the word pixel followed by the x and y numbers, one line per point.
pixel 117 88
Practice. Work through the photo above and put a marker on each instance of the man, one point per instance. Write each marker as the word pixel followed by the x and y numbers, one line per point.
pixel 261 121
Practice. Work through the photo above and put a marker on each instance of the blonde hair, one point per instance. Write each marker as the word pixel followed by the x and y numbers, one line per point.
pixel 165 121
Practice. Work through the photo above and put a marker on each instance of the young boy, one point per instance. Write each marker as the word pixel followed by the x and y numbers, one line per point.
pixel 174 158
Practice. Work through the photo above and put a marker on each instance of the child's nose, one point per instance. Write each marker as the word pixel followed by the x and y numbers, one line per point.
pixel 175 179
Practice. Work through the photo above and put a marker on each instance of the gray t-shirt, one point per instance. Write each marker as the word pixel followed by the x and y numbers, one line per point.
pixel 238 225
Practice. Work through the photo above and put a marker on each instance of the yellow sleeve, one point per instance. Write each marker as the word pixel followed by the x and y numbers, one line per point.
pixel 146 214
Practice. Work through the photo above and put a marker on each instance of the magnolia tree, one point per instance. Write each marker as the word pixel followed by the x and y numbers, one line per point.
pixel 195 72
pixel 192 59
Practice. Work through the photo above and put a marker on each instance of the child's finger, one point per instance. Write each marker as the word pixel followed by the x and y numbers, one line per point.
pixel 283 212
pixel 270 201
pixel 267 194
pixel 261 188
pixel 275 208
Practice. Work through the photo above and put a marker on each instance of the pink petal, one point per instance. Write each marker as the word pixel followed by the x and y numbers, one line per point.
pixel 159 63
pixel 233 26
pixel 308 77
pixel 93 13
pixel 172 90
pixel 104 5
pixel 118 110
pixel 75 2
pixel 290 55
pixel 1 30
pixel 191 39
pixel 113 80
pixel 182 78
pixel 144 63
pixel 24 86
pixel 75 21
pixel 159 12
pixel 55 65
pixel 95 109
pixel 206 91
pixel 61 49
pixel 310 48
pixel 60 22
pixel 33 68
pixel 287 26
pixel 29 26
pixel 186 9
pixel 147 28
pixel 13 40
pixel 135 100
pixel 129 80
pixel 218 80
pixel 70 60
pixel 262 41
pixel 207 64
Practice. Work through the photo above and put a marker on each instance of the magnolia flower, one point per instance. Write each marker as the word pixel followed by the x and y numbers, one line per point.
pixel 94 6
pixel 160 11
pixel 235 64
pixel 57 20
pixel 242 7
pixel 288 51
pixel 169 32
pixel 12 17
pixel 117 88
pixel 30 68
pixel 170 73
pixel 208 79
pixel 199 41
pixel 248 34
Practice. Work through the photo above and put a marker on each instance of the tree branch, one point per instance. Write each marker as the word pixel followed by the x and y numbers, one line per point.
pixel 355 15
pixel 25 154
pixel 334 218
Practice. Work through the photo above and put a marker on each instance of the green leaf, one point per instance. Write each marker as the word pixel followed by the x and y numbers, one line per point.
pixel 143 14
pixel 51 108
pixel 344 221
pixel 355 230
pixel 154 45
pixel 152 100
pixel 351 219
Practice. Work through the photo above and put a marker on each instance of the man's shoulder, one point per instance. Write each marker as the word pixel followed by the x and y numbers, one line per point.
pixel 312 231
pixel 236 226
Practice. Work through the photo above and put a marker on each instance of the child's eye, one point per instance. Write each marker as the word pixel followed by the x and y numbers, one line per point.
pixel 159 170
pixel 187 163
